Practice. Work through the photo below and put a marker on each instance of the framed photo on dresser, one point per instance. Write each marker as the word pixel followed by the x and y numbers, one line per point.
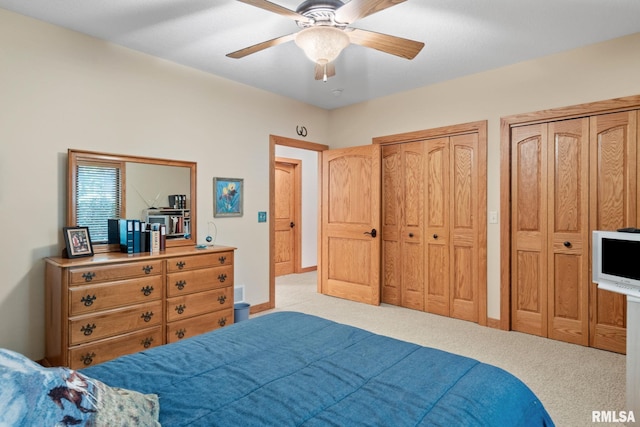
pixel 78 242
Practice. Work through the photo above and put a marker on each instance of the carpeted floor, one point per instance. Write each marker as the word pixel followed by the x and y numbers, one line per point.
pixel 570 380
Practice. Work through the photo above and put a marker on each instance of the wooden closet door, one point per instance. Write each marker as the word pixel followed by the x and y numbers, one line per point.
pixel 412 255
pixel 614 187
pixel 402 217
pixel 568 223
pixel 464 227
pixel 391 200
pixel 529 229
pixel 437 218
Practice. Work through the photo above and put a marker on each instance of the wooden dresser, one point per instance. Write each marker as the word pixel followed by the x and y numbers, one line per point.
pixel 112 304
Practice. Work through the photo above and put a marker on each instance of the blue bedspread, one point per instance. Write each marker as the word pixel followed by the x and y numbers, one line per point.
pixel 293 369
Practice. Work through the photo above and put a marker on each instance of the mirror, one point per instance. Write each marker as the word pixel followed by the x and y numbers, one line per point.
pixel 141 188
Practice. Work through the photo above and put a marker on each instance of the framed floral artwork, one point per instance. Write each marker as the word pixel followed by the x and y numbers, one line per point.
pixel 228 194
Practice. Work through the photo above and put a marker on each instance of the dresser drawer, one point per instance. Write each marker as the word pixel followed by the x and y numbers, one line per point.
pixel 91 298
pixel 198 325
pixel 91 354
pixel 199 261
pixel 114 322
pixel 202 302
pixel 85 275
pixel 199 280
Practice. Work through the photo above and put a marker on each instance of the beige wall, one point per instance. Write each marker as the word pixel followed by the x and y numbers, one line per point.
pixel 60 90
pixel 598 72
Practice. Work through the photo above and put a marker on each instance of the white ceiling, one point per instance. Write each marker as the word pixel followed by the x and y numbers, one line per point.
pixel 461 37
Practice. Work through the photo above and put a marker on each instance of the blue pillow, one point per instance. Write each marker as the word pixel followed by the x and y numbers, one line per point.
pixel 32 395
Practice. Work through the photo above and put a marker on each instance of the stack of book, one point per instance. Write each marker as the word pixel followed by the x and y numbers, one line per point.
pixel 135 236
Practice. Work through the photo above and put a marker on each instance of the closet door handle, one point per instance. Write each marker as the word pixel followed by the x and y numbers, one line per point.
pixel 435 236
pixel 410 234
pixel 567 244
pixel 373 233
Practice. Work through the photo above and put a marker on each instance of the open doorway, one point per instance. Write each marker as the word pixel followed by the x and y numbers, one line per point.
pixel 310 155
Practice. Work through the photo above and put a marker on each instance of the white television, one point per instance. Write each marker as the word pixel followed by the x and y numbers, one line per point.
pixel 616 261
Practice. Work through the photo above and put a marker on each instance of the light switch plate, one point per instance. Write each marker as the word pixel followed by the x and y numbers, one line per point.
pixel 262 216
pixel 493 217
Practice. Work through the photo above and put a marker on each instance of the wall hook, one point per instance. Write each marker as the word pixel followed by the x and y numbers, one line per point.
pixel 301 131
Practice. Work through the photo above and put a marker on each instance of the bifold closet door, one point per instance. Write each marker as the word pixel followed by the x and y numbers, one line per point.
pixel 464 226
pixel 391 199
pixel 529 229
pixel 569 235
pixel 570 177
pixel 550 212
pixel 452 228
pixel 614 205
pixel 437 251
pixel 402 224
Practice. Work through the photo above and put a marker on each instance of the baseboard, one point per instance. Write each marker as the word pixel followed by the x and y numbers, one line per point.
pixel 260 307
pixel 493 323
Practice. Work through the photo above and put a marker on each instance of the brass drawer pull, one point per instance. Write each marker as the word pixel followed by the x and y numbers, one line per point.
pixel 88 276
pixel 88 300
pixel 180 264
pixel 180 333
pixel 222 321
pixel 147 269
pixel 222 277
pixel 147 290
pixel 87 359
pixel 180 284
pixel 146 343
pixel 222 299
pixel 181 308
pixel 222 259
pixel 88 330
pixel 147 316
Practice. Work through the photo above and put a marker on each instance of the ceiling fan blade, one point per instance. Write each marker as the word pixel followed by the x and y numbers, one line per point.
pixel 358 9
pixel 272 7
pixel 261 46
pixel 397 46
pixel 330 70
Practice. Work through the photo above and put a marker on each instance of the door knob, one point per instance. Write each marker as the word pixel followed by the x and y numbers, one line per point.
pixel 435 236
pixel 372 233
pixel 292 224
pixel 567 244
pixel 410 234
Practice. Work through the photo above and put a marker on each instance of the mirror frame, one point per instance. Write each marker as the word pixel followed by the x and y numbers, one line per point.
pixel 75 155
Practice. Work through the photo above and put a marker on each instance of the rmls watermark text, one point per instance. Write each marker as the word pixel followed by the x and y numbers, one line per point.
pixel 612 417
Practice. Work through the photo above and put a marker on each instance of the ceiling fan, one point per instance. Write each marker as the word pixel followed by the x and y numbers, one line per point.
pixel 325 31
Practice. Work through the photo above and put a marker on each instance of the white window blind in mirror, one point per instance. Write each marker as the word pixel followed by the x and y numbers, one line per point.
pixel 98 197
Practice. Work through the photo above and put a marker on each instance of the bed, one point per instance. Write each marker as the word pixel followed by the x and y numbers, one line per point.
pixel 294 369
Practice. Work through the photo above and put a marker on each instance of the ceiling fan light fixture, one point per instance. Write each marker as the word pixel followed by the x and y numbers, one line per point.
pixel 322 44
